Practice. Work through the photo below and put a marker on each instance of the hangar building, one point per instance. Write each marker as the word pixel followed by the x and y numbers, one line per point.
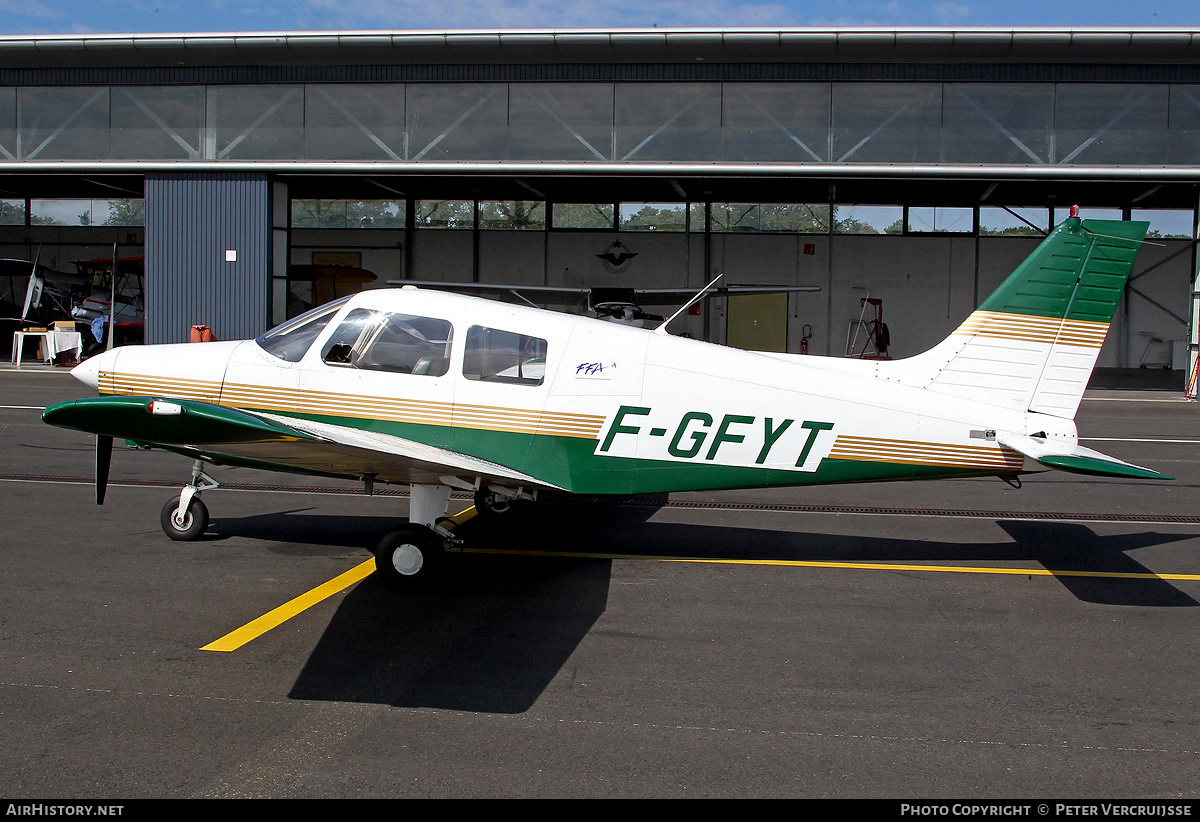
pixel 914 167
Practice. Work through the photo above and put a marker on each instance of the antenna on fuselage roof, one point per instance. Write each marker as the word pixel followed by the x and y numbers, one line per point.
pixel 662 329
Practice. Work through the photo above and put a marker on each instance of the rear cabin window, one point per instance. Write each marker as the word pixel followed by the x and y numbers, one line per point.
pixel 292 339
pixel 493 355
pixel 383 341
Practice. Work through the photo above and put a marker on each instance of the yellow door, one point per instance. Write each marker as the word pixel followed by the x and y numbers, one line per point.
pixel 758 322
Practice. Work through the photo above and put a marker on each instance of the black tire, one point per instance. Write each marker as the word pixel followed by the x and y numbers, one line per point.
pixel 490 504
pixel 409 557
pixel 195 520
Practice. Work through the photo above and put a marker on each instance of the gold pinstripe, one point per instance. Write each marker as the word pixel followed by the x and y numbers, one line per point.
pixel 489 418
pixel 515 420
pixel 874 449
pixel 1027 328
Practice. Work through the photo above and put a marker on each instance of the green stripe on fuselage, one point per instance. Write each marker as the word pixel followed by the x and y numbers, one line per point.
pixel 571 462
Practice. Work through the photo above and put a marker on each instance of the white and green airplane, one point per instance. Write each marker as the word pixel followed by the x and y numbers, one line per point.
pixel 442 391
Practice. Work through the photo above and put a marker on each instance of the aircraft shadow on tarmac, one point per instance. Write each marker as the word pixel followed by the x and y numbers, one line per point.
pixel 500 628
pixel 1072 550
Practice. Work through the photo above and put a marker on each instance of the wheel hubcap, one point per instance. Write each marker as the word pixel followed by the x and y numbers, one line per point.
pixel 407 559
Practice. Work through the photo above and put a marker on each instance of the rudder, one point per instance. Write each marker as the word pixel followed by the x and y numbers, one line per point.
pixel 1033 343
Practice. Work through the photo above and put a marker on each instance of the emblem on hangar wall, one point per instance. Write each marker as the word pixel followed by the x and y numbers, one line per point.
pixel 617 258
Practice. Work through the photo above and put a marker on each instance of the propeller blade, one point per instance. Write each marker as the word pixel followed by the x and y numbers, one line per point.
pixel 103 459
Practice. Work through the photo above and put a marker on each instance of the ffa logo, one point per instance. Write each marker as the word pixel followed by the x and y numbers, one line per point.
pixel 592 370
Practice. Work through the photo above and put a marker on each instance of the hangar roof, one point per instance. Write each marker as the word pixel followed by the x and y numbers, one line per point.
pixel 632 45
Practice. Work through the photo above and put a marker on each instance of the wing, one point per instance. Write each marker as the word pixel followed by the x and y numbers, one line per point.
pixel 231 436
pixel 550 294
pixel 564 295
pixel 675 294
pixel 1073 457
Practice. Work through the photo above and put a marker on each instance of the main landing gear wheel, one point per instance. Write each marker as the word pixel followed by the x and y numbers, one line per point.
pixel 409 556
pixel 191 526
pixel 489 503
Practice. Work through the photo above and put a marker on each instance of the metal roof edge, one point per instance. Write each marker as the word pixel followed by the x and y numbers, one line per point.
pixel 589 45
pixel 1170 173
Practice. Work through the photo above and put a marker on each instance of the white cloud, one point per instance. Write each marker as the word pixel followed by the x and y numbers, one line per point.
pixel 948 13
pixel 405 14
pixel 27 8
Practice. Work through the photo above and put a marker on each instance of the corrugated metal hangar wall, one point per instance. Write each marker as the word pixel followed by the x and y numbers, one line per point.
pixel 208 247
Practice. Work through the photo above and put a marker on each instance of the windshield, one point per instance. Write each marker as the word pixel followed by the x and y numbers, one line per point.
pixel 291 340
pixel 387 341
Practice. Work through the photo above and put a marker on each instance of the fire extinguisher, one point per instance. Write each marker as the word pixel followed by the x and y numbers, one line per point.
pixel 806 332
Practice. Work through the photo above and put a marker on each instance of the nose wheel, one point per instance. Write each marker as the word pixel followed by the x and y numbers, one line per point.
pixel 185 517
pixel 187 527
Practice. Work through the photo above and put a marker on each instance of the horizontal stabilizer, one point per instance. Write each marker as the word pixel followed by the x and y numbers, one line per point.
pixel 1073 457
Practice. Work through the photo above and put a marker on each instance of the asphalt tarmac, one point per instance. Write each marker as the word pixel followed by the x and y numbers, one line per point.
pixel 890 640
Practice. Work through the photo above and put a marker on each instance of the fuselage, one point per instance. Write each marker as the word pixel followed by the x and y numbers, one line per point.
pixel 585 405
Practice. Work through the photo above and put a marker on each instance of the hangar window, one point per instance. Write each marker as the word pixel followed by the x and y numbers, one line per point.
pixel 653 217
pixel 886 123
pixel 667 121
pixel 159 123
pixel 445 214
pixel 930 220
pixel 997 123
pixel 1169 223
pixel 387 341
pixel 121 212
pixel 256 122
pixel 348 213
pixel 493 355
pixel 1086 213
pixel 292 339
pixel 1014 222
pixel 456 121
pixel 518 215
pixel 63 123
pixel 802 218
pixel 868 219
pixel 354 121
pixel 1110 124
pixel 560 121
pixel 584 215
pixel 12 212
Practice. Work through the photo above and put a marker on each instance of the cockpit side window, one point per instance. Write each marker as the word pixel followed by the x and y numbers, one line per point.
pixel 385 341
pixel 292 339
pixel 493 355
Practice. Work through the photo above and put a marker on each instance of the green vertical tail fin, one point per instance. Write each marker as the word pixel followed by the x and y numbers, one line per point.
pixel 1032 344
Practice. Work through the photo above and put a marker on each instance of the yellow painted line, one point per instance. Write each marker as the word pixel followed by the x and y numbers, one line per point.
pixel 864 566
pixel 464 515
pixel 273 619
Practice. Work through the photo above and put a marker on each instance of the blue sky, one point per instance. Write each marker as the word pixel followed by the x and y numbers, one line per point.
pixel 69 16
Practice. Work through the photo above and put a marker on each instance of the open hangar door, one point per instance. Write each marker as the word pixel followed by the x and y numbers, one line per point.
pixel 930 250
pixel 72 227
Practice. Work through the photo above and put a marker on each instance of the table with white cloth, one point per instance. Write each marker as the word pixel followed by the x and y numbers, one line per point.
pixel 50 344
